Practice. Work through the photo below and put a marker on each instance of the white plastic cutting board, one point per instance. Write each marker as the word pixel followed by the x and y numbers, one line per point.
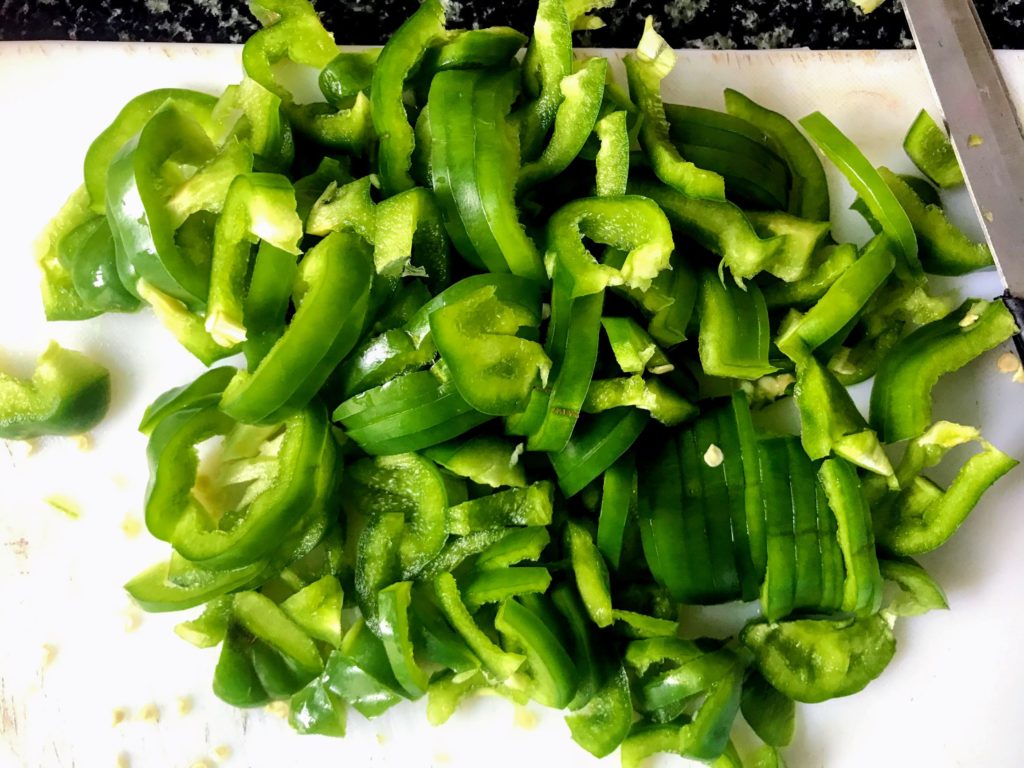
pixel 954 696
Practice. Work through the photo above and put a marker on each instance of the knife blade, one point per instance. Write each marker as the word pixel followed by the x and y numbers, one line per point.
pixel 984 128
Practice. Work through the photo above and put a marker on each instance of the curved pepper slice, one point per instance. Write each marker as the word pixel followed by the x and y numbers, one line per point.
pixel 393 618
pixel 398 58
pixel 409 225
pixel 291 30
pixel 596 446
pixel 827 265
pixel 618 505
pixel 347 74
pixel 258 207
pixel 474 48
pixel 901 397
pixel 770 713
pixel 645 69
pixel 359 673
pixel 68 394
pixel 808 191
pixel 204 392
pixel 154 591
pixel 815 660
pixel 612 159
pixel 591 574
pixel 254 115
pixel 474 162
pixel 927 145
pixel 918 591
pixel 870 186
pixel 129 121
pixel 336 272
pixel 582 96
pixel 527 506
pixel 552 672
pixel 88 255
pixel 61 301
pixel 924 516
pixel 348 127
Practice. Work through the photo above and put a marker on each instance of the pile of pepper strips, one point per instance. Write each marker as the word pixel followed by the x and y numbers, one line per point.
pixel 507 327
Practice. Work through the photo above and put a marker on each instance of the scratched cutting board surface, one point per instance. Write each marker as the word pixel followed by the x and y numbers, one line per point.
pixel 950 698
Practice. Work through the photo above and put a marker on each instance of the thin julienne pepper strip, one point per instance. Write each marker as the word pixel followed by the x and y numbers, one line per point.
pixel 553 674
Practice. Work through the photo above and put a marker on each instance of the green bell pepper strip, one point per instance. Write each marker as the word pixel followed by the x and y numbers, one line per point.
pixel 336 272
pixel 944 248
pixel 317 710
pixel 810 577
pixel 345 207
pixel 88 255
pixel 139 193
pixel 918 591
pixel 397 60
pixel 316 608
pixel 591 574
pixel 549 59
pixel 473 49
pixel 869 185
pixel 827 265
pixel 594 447
pixel 485 460
pixel 254 115
pixel 669 301
pixel 628 223
pixel 129 121
pixel 733 148
pixel 901 397
pixel 645 69
pixel 923 188
pixel 204 392
pixel 634 349
pixel 496 586
pixel 639 626
pixel 612 159
pixel 463 549
pixel 394 617
pixel 664 404
pixel 927 145
pixel 280 491
pixel 843 301
pixel 593 664
pixel 474 162
pixel 734 331
pixel 924 516
pixel 582 95
pixel 360 673
pixel 493 369
pixel 438 642
pixel 266 621
pixel 618 507
pixel 211 626
pixel 447 691
pixel 291 30
pixel 154 592
pixel 61 300
pixel 527 506
pixel 68 394
pixel 234 679
pixel 258 207
pixel 409 413
pixel 409 225
pixel 778 591
pixel 862 589
pixel 347 74
pixel 603 723
pixel 267 301
pixel 377 561
pixel 185 325
pixel 515 546
pixel 499 663
pixel 348 128
pixel 409 484
pixel 551 670
pixel 771 714
pixel 808 190
pixel 720 227
pixel 801 238
pixel 815 660
pixel 830 422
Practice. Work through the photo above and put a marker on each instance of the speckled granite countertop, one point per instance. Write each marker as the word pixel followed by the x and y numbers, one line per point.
pixel 685 23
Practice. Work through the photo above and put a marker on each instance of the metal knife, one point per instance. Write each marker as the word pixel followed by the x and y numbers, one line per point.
pixel 984 128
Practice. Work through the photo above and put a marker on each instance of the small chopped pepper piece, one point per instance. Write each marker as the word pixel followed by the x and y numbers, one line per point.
pixel 360 673
pixel 814 660
pixel 603 723
pixel 410 225
pixel 663 403
pixel 808 191
pixel 930 150
pixel 871 187
pixel 645 69
pixel 316 608
pixel 901 397
pixel 918 591
pixel 211 626
pixel 497 585
pixel 924 516
pixel 551 670
pixel 317 709
pixel 266 621
pixel 68 394
pixel 591 574
pixel 254 115
pixel 595 446
pixel 485 460
pixel 770 713
pixel 88 255
pixel 155 592
pixel 393 619
pixel 612 159
pixel 347 74
pixel 61 300
pixel 234 679
pixel 528 506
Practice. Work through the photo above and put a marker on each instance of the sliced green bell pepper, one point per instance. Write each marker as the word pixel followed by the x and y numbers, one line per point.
pixel 595 446
pixel 734 331
pixel 927 145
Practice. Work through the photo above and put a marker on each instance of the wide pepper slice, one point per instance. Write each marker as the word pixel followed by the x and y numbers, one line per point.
pixel 927 145
pixel 68 394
